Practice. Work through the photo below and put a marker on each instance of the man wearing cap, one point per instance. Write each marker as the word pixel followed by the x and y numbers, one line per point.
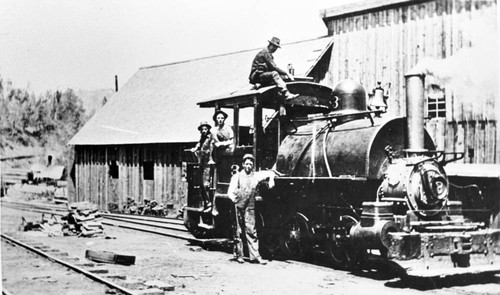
pixel 242 191
pixel 223 135
pixel 266 72
pixel 203 150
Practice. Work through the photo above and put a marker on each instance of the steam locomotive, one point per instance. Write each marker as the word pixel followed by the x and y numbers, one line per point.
pixel 354 187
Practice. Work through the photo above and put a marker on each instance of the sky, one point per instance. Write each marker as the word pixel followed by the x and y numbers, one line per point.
pixel 60 44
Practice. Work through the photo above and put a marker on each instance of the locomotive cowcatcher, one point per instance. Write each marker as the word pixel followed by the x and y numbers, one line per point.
pixel 354 187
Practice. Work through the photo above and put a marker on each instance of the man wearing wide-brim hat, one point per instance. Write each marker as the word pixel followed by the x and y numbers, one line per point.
pixel 204 147
pixel 203 151
pixel 265 72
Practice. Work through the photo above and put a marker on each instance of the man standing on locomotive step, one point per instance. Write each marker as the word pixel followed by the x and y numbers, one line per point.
pixel 223 135
pixel 203 150
pixel 242 191
pixel 264 71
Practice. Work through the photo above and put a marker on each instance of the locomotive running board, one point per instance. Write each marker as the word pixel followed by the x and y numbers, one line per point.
pixel 445 254
pixel 404 270
pixel 442 273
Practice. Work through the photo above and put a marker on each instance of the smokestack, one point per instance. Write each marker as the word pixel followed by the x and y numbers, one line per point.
pixel 116 83
pixel 415 110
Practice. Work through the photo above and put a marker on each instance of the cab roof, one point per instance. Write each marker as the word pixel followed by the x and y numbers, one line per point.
pixel 311 95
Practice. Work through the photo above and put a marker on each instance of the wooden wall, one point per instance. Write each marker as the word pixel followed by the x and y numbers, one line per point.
pixel 384 43
pixel 95 184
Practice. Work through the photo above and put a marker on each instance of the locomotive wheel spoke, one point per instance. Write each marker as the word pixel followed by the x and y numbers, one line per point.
pixel 336 255
pixel 343 254
pixel 268 236
pixel 295 242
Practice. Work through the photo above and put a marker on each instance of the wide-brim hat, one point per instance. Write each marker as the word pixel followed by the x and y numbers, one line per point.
pixel 219 112
pixel 275 41
pixel 204 123
pixel 248 157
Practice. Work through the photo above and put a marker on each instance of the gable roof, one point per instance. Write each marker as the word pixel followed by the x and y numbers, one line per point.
pixel 158 104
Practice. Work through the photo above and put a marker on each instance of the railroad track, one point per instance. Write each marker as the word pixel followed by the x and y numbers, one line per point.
pixel 38 268
pixel 164 226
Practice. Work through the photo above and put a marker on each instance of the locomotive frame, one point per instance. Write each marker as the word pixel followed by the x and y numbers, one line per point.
pixel 352 186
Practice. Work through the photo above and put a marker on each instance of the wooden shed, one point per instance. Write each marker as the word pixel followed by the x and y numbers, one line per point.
pixel 133 147
pixel 454 41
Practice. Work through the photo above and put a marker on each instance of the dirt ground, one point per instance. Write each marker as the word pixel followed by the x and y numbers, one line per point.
pixel 193 270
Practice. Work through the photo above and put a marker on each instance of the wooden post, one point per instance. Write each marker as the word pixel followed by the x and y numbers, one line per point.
pixel 106 178
pixel 236 125
pixel 257 130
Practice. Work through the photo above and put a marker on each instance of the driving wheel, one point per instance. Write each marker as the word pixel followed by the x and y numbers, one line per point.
pixel 296 240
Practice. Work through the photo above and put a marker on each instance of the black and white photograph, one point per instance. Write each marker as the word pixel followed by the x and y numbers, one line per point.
pixel 249 147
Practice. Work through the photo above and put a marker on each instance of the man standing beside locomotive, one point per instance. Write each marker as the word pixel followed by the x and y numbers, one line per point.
pixel 264 71
pixel 242 191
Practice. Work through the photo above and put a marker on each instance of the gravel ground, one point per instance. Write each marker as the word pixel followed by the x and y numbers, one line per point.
pixel 195 271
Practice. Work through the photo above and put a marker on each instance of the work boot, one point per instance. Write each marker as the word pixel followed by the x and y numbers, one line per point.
pixel 238 259
pixel 259 261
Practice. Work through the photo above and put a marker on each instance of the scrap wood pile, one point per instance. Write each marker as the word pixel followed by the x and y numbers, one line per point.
pixel 83 219
pixel 148 207
pixel 50 226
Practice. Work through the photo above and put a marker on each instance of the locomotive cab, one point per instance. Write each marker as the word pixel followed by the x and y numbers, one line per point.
pixel 261 120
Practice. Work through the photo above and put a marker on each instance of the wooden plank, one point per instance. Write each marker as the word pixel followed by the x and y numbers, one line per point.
pixel 77 175
pixel 459 140
pixel 490 142
pixel 171 191
pixel 106 179
pixel 121 194
pixel 157 176
pixel 452 131
pixel 480 137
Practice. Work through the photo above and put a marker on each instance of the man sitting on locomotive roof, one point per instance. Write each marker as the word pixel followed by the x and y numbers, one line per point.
pixel 265 72
pixel 242 191
pixel 223 135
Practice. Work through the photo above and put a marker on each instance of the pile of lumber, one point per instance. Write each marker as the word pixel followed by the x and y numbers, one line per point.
pixel 11 177
pixel 84 219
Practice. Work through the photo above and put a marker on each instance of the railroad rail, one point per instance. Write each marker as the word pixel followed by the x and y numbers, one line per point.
pixel 165 226
pixel 41 251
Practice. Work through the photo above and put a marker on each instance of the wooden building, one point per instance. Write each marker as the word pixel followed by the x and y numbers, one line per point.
pixel 133 147
pixel 454 40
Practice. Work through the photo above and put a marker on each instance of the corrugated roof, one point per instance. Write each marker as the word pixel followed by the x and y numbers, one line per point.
pixel 158 104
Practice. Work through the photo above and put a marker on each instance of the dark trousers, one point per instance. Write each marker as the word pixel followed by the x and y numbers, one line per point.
pixel 270 78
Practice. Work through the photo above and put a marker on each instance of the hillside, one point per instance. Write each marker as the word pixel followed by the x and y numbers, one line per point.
pixel 93 99
pixel 33 127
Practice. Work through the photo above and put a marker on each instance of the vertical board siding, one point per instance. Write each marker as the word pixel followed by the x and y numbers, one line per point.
pixel 93 182
pixel 384 44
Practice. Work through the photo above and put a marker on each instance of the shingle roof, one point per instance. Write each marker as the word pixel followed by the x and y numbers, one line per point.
pixel 158 104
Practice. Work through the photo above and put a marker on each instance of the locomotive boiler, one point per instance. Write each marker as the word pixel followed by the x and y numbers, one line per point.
pixel 353 187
